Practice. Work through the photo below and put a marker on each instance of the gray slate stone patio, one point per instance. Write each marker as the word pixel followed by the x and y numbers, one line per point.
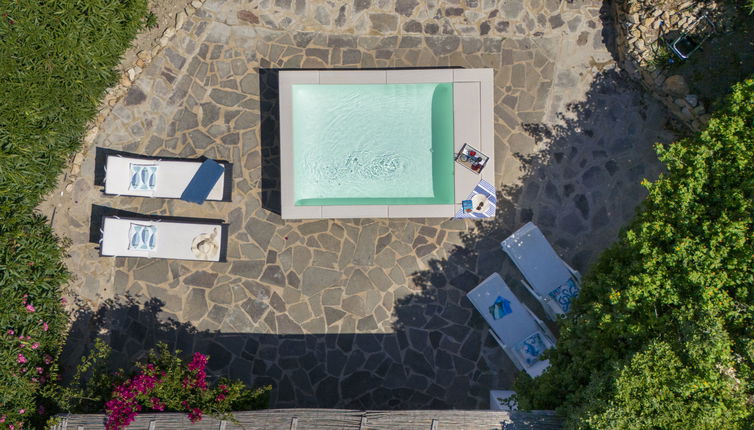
pixel 363 313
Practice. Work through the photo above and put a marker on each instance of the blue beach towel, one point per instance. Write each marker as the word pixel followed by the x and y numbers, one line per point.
pixel 203 181
pixel 486 189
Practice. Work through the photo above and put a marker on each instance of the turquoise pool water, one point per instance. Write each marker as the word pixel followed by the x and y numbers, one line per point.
pixel 373 144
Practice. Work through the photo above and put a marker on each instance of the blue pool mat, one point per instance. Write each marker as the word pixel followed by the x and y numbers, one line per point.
pixel 203 181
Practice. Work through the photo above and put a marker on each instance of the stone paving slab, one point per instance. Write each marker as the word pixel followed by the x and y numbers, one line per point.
pixel 366 313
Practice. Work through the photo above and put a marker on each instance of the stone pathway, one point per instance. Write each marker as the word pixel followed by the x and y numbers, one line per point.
pixel 364 313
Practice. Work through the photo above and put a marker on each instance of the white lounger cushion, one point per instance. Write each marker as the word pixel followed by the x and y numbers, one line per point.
pixel 172 178
pixel 513 328
pixel 542 268
pixel 174 239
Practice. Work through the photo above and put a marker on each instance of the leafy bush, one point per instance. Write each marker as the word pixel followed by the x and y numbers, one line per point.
pixel 662 336
pixel 31 317
pixel 56 60
pixel 162 382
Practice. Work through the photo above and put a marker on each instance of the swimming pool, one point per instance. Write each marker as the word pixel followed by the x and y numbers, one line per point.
pixel 381 143
pixel 373 144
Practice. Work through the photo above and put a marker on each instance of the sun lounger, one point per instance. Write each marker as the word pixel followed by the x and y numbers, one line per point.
pixel 149 238
pixel 169 179
pixel 501 400
pixel 553 282
pixel 522 335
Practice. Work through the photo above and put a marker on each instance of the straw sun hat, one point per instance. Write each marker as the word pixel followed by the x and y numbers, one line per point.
pixel 205 246
pixel 479 201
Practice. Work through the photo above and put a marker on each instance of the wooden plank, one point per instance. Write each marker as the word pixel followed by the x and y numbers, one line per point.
pixel 336 419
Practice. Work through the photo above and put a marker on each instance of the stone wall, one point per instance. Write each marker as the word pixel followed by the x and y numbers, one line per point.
pixel 639 24
pixel 409 17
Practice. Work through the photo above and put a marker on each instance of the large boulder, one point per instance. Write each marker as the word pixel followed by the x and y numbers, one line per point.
pixel 676 85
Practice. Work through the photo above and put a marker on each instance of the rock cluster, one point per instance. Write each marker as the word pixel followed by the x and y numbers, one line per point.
pixel 408 17
pixel 640 24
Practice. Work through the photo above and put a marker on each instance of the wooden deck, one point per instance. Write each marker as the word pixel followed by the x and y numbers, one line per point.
pixel 333 419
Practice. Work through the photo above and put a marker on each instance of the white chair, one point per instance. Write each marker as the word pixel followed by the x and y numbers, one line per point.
pixel 500 400
pixel 163 178
pixel 144 237
pixel 522 335
pixel 547 277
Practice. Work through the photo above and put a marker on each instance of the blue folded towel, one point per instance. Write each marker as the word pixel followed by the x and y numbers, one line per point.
pixel 500 308
pixel 203 181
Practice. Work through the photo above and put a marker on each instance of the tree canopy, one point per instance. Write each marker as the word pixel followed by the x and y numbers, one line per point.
pixel 661 336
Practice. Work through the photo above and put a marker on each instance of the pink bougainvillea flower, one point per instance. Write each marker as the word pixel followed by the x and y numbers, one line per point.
pixel 2 419
pixel 21 358
pixel 63 300
pixel 30 308
pixel 157 404
pixel 47 359
pixel 35 345
pixel 195 415
pixel 40 370
pixel 22 411
pixel 198 365
pixel 11 332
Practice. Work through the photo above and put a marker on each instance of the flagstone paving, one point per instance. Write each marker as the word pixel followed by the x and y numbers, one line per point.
pixel 363 313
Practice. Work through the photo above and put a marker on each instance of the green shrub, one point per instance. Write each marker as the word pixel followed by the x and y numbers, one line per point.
pixel 56 60
pixel 31 316
pixel 161 382
pixel 661 337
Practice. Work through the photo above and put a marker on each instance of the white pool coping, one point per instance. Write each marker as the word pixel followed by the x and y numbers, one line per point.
pixel 473 123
